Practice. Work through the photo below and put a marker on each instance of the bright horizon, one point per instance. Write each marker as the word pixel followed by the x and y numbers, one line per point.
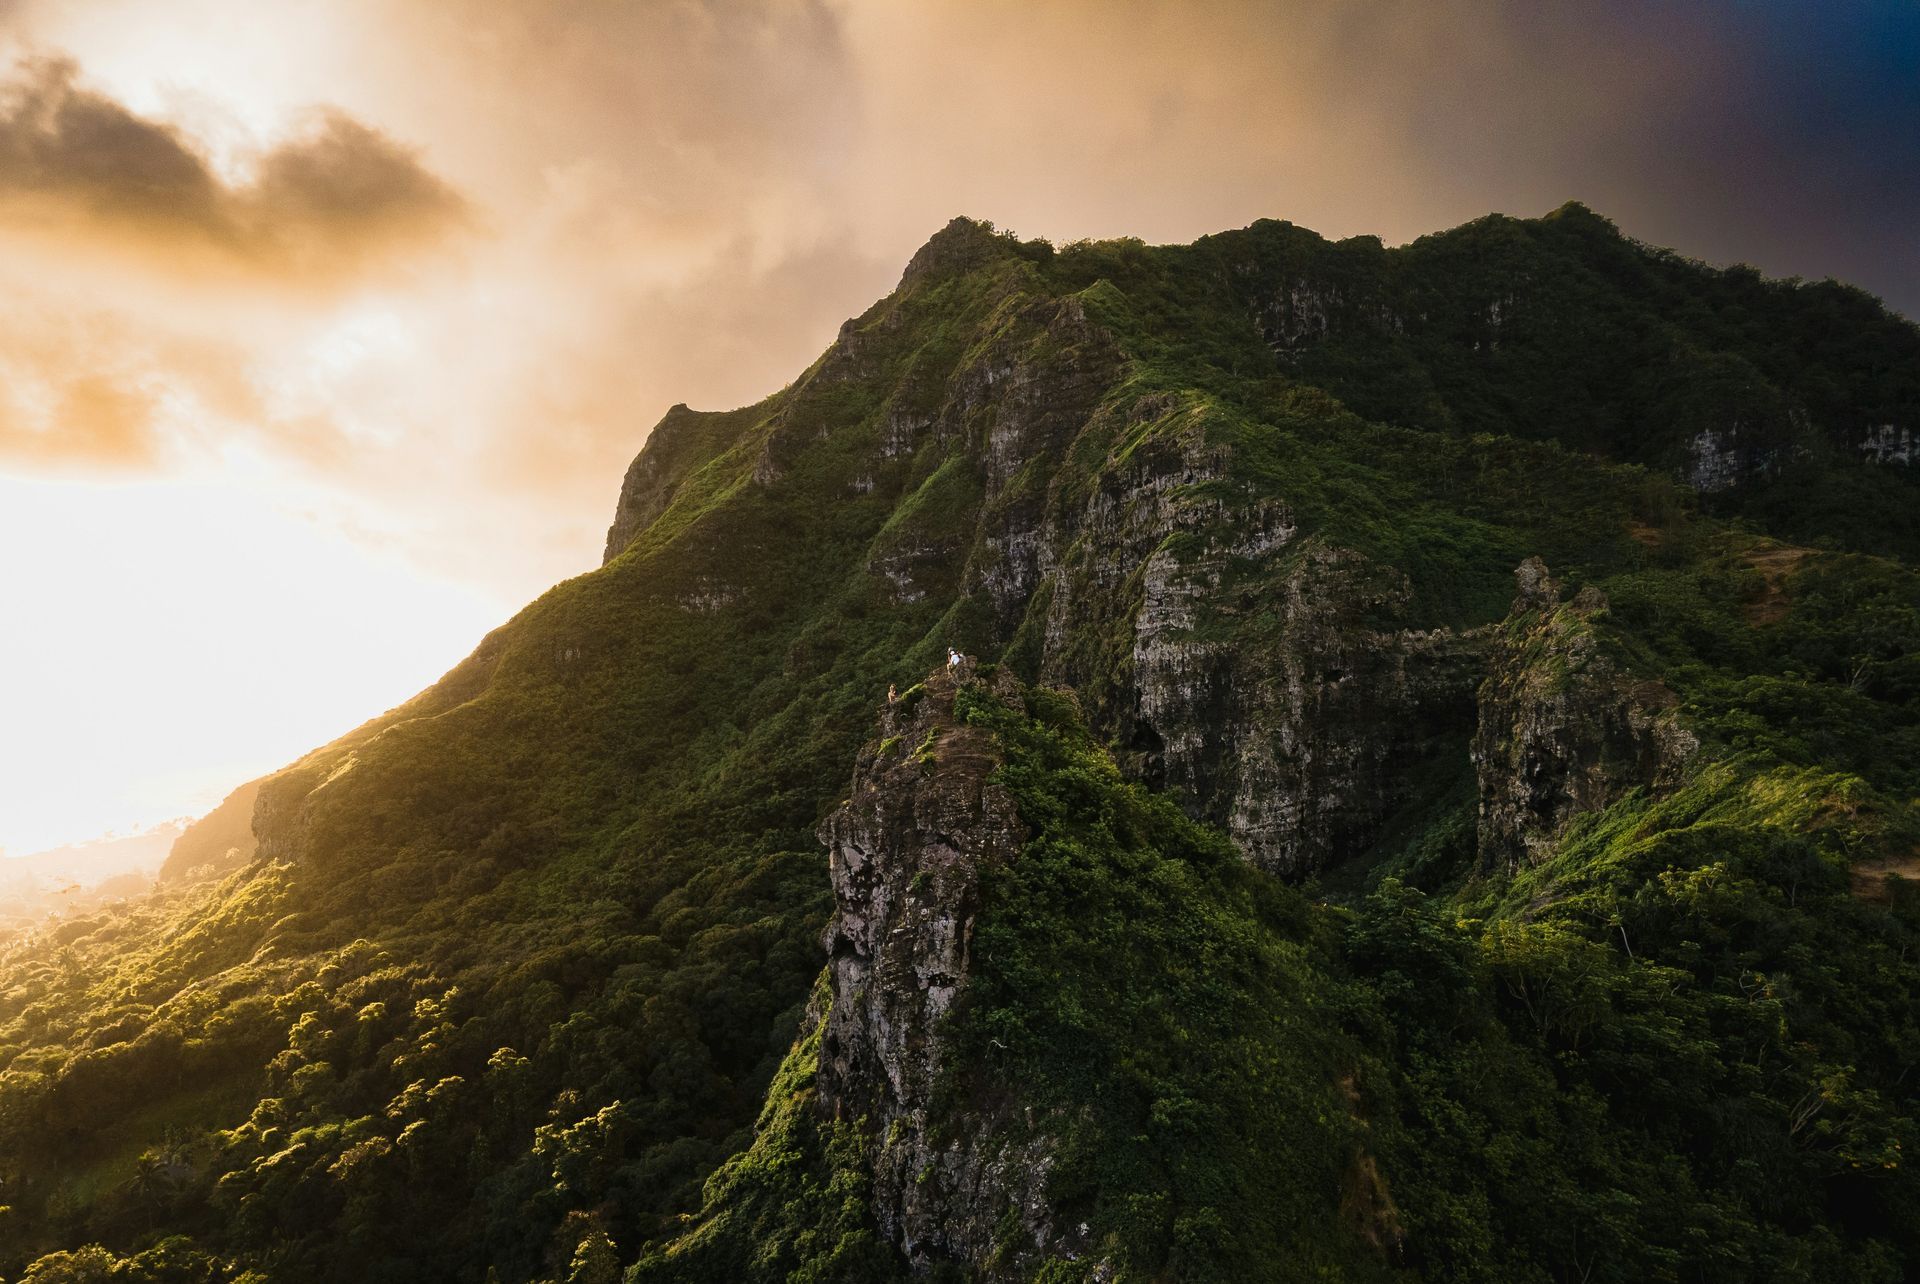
pixel 238 633
pixel 321 353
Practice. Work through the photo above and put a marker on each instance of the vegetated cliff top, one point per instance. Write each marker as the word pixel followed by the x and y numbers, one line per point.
pixel 1772 398
pixel 1606 879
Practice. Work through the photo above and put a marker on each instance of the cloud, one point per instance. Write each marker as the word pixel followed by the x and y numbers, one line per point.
pixel 1806 159
pixel 105 424
pixel 335 198
pixel 90 390
pixel 682 201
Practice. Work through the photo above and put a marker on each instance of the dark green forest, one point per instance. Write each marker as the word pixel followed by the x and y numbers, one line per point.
pixel 523 981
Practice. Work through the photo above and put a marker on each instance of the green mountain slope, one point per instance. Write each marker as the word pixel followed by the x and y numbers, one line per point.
pixel 1603 966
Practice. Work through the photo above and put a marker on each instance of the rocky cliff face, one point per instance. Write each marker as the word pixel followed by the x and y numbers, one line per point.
pixel 1299 745
pixel 678 444
pixel 648 485
pixel 1104 531
pixel 1563 730
pixel 1273 679
pixel 907 851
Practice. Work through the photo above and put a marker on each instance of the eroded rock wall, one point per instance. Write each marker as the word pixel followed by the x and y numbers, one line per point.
pixel 907 850
pixel 1563 729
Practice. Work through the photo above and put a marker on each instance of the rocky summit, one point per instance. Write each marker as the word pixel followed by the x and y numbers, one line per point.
pixel 1426 790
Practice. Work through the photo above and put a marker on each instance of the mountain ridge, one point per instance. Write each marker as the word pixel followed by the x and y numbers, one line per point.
pixel 507 982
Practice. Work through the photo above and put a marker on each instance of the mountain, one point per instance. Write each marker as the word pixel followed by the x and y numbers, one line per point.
pixel 1430 794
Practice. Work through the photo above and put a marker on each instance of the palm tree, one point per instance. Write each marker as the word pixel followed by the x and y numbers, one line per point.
pixel 158 1176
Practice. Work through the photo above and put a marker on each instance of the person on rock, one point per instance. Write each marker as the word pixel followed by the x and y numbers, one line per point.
pixel 953 658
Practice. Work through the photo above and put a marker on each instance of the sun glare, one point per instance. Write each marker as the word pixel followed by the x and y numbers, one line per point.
pixel 166 641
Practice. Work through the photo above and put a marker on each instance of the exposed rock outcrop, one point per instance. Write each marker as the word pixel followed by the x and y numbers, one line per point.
pixel 1720 460
pixel 1297 740
pixel 964 243
pixel 673 451
pixel 648 485
pixel 908 849
pixel 1890 444
pixel 1270 678
pixel 1563 730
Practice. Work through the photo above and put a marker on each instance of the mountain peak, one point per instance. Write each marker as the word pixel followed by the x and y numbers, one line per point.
pixel 964 243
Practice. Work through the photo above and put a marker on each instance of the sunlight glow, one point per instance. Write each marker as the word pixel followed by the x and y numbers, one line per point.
pixel 377 300
pixel 166 641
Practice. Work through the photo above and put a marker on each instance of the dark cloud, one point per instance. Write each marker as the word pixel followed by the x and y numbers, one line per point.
pixel 1789 139
pixel 1816 160
pixel 76 162
pixel 1774 132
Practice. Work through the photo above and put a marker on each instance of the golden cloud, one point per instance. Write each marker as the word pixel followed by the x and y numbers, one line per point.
pixel 335 198
pixel 106 425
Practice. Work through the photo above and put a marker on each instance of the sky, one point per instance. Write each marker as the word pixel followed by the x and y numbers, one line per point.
pixel 327 329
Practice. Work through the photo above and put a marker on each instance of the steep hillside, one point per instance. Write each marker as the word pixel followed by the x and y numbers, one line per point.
pixel 1060 1025
pixel 218 843
pixel 1552 935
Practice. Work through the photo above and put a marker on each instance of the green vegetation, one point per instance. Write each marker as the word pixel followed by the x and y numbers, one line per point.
pixel 1168 1013
pixel 518 966
pixel 793 1206
pixel 1676 1051
pixel 1680 1049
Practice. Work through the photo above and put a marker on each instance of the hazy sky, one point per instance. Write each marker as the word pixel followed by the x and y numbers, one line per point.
pixel 327 328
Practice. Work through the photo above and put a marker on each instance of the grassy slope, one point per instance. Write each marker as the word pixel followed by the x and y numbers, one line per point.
pixel 1682 1047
